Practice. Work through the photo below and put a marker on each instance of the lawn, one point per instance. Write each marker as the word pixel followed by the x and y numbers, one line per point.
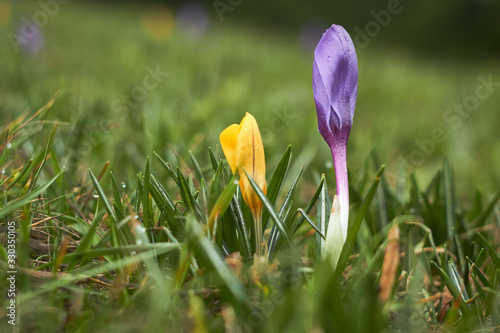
pixel 135 250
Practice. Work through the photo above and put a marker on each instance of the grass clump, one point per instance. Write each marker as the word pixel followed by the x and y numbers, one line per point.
pixel 175 251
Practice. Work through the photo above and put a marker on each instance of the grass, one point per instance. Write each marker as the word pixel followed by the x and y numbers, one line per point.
pixel 147 243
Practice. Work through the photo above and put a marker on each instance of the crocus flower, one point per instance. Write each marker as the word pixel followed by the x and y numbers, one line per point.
pixel 242 145
pixel 30 38
pixel 335 87
pixel 193 19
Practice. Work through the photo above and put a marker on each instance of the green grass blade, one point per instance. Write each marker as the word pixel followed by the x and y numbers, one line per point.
pixel 162 192
pixel 117 203
pixel 275 237
pixel 449 197
pixel 239 219
pixel 146 210
pixel 208 255
pixel 323 214
pixel 489 248
pixel 86 242
pixel 214 160
pixel 168 168
pixel 457 280
pixel 288 198
pixel 167 208
pixel 272 213
pixel 452 287
pixel 112 251
pixel 107 206
pixel 479 274
pixel 22 173
pixel 216 187
pixel 300 219
pixel 222 202
pixel 20 202
pixel 154 250
pixel 187 196
pixel 196 165
pixel 276 182
pixel 151 264
pixel 119 226
pixel 481 219
pixel 44 159
pixel 311 222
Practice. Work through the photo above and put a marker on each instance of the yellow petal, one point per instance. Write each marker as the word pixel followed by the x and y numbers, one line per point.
pixel 228 139
pixel 242 145
pixel 250 156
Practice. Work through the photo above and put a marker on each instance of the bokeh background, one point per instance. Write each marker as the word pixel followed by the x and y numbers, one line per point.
pixel 164 76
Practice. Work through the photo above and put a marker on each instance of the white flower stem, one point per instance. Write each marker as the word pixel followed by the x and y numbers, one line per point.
pixel 339 216
pixel 340 162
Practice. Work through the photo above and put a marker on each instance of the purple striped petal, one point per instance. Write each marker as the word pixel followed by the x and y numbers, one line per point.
pixel 335 83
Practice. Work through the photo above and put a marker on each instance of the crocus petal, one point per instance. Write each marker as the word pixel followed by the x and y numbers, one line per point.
pixel 228 139
pixel 250 157
pixel 323 108
pixel 334 237
pixel 242 145
pixel 335 80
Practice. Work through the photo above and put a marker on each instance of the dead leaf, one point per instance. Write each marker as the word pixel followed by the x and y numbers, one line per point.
pixel 390 265
pixel 445 304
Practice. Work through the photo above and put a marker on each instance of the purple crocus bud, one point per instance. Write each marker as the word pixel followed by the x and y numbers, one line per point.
pixel 335 87
pixel 30 38
pixel 193 19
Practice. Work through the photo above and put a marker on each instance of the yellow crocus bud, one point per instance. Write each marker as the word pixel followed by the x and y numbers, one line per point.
pixel 242 145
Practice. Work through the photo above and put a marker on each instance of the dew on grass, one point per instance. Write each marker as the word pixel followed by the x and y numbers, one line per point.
pixel 124 185
pixel 9 145
pixel 95 195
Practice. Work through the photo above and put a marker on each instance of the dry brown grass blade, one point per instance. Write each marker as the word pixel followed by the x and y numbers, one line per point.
pixel 62 253
pixel 442 306
pixel 430 249
pixel 43 274
pixel 432 298
pixel 45 107
pixel 48 219
pixel 390 265
pixel 4 145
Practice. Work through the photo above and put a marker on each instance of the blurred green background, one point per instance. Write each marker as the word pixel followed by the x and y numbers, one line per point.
pixel 156 76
